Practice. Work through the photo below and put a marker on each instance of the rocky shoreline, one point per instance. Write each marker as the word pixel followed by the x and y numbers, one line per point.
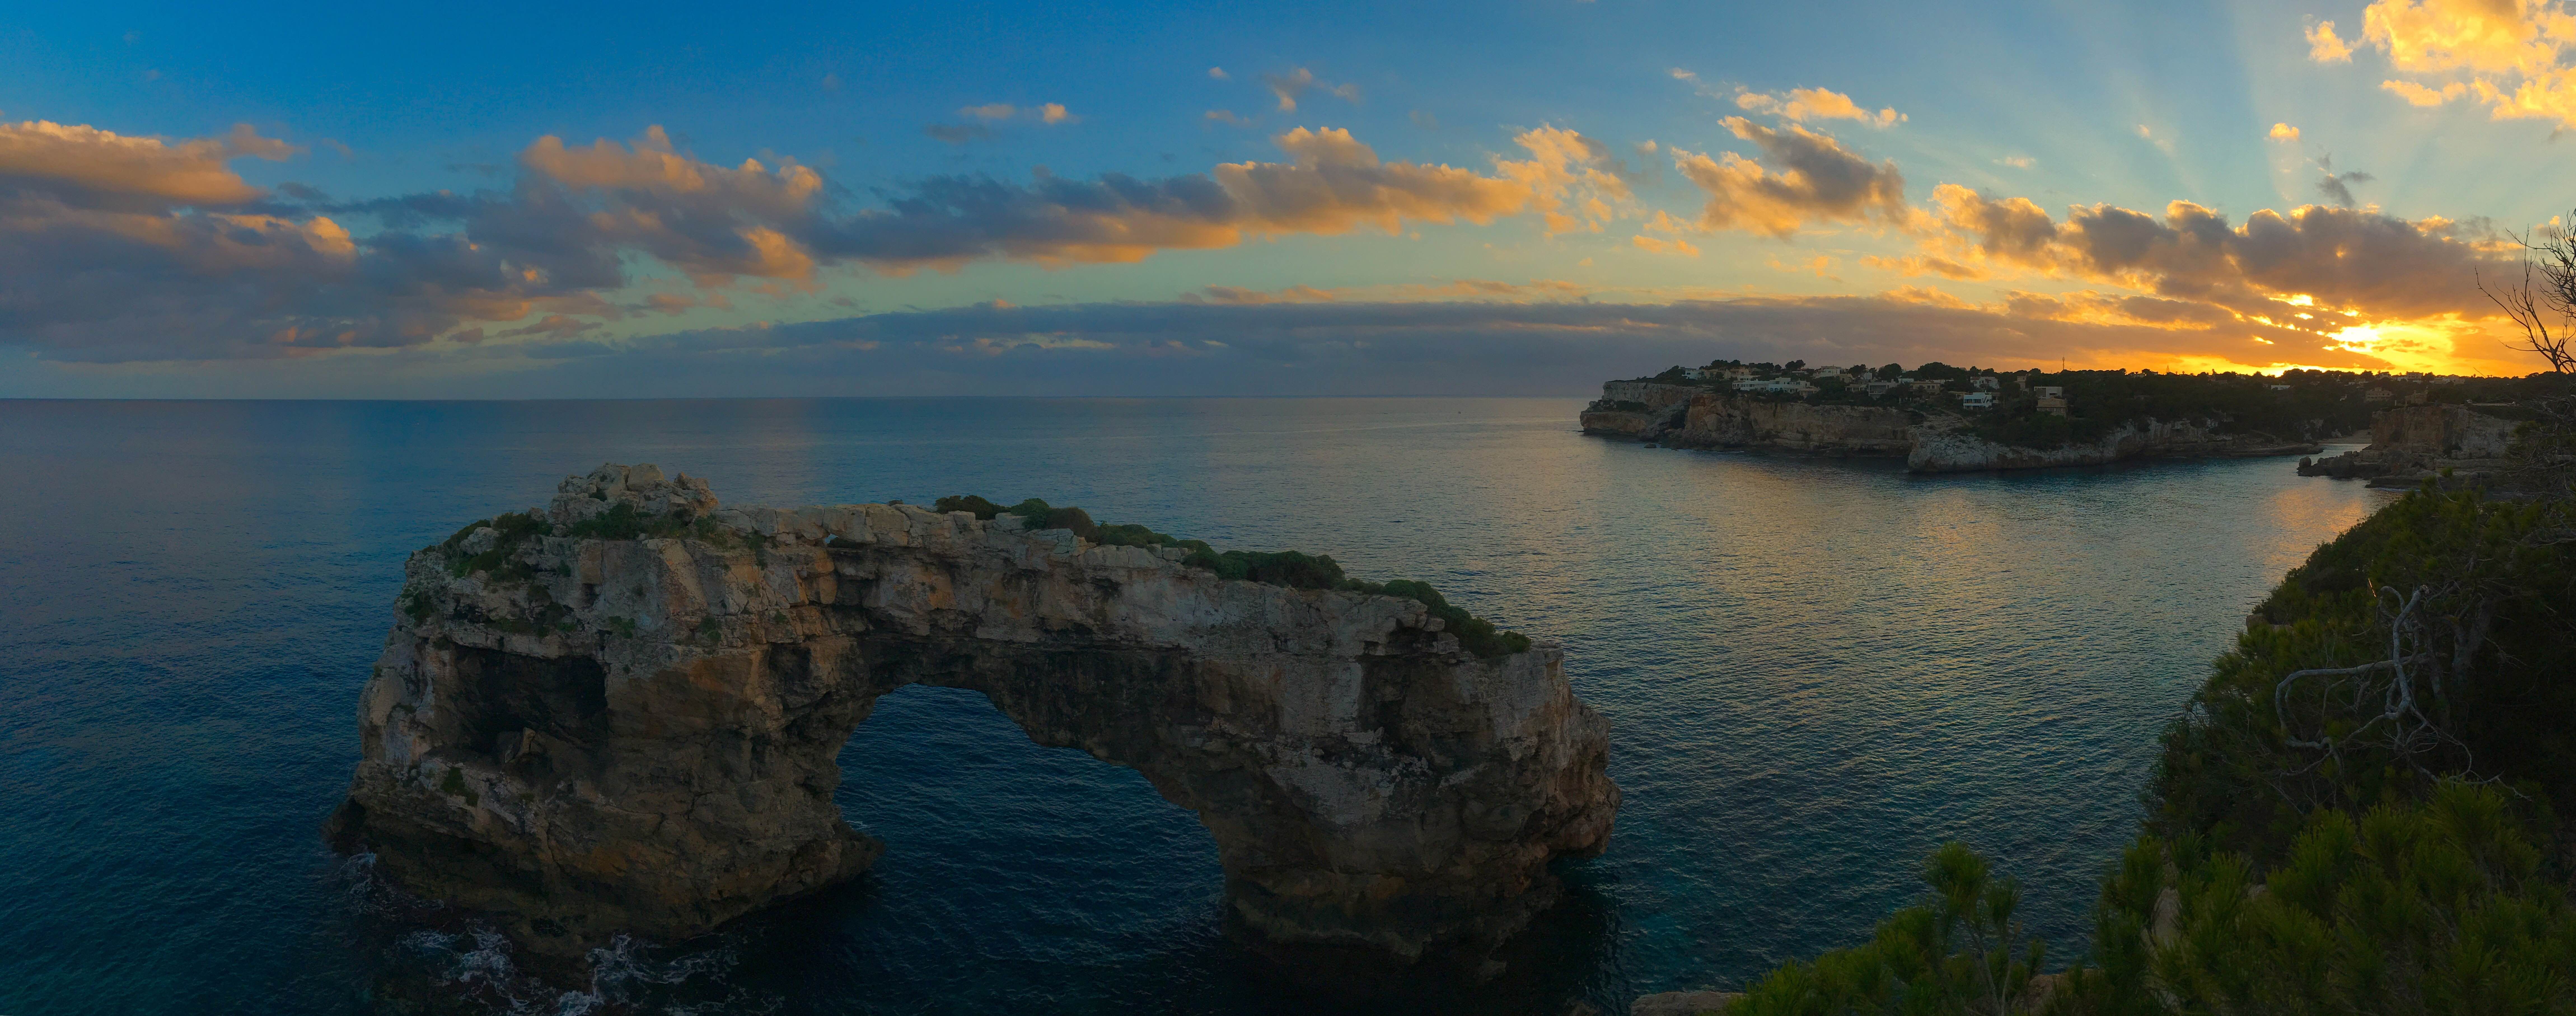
pixel 2409 445
pixel 1935 441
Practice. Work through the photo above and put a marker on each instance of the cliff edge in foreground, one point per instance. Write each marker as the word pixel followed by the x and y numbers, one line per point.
pixel 621 713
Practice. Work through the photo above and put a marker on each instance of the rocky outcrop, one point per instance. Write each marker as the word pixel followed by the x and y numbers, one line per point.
pixel 1690 416
pixel 1947 446
pixel 2411 444
pixel 621 713
pixel 1722 422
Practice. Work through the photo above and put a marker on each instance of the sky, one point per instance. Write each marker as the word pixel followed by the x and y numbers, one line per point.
pixel 1517 198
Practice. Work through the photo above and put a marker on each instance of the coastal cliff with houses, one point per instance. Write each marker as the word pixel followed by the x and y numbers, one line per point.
pixel 1942 419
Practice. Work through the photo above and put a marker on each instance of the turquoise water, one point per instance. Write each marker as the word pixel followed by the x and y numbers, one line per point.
pixel 1814 672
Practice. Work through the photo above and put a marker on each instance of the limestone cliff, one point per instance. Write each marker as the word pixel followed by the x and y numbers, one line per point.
pixel 1937 441
pixel 2410 444
pixel 1688 416
pixel 1947 446
pixel 621 712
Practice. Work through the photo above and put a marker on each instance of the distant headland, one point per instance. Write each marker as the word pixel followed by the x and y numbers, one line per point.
pixel 1944 419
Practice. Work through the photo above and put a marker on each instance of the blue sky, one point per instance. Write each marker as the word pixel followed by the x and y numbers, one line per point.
pixel 1029 198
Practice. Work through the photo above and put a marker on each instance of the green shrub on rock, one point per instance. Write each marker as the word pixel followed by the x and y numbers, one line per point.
pixel 502 559
pixel 1293 569
pixel 2435 907
pixel 983 509
pixel 1959 951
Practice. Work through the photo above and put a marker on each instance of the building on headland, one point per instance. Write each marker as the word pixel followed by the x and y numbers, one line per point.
pixel 1987 383
pixel 2278 388
pixel 2057 392
pixel 1774 385
pixel 1825 372
pixel 1878 388
pixel 1977 400
pixel 2377 394
pixel 1695 373
pixel 2053 405
pixel 1925 387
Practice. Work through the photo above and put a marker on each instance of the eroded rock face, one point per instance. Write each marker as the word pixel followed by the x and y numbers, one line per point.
pixel 606 732
pixel 1688 416
pixel 1947 447
pixel 1936 441
pixel 2411 444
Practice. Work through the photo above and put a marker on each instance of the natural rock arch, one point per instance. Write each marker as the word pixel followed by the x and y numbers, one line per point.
pixel 635 729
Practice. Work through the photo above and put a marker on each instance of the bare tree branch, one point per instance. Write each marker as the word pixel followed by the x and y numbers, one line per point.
pixel 2549 251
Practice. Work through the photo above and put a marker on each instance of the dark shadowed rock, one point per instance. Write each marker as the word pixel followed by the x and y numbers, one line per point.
pixel 634 729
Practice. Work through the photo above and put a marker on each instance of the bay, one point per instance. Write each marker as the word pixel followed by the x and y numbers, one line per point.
pixel 1815 671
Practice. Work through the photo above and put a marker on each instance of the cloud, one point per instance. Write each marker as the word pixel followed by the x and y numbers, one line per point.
pixel 1334 184
pixel 87 167
pixel 2353 267
pixel 2165 145
pixel 1312 346
pixel 2513 53
pixel 120 248
pixel 2325 47
pixel 1296 83
pixel 1240 296
pixel 2337 187
pixel 2284 132
pixel 1574 181
pixel 1049 113
pixel 1811 178
pixel 1803 104
pixel 553 326
pixel 2017 161
pixel 1463 289
pixel 1226 116
pixel 1219 74
pixel 1659 245
pixel 2420 95
pixel 1820 265
pixel 669 303
pixel 1920 265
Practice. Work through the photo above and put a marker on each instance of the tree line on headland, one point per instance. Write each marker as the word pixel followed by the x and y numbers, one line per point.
pixel 2087 404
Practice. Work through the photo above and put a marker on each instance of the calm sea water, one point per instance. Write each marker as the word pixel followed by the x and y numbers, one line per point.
pixel 1815 671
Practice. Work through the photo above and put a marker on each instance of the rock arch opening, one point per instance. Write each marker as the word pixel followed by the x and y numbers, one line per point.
pixel 993 838
pixel 634 726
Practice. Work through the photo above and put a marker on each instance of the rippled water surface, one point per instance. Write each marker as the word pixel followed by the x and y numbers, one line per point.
pixel 1814 671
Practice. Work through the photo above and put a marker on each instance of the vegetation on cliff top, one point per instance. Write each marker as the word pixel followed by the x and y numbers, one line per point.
pixel 1289 568
pixel 2356 814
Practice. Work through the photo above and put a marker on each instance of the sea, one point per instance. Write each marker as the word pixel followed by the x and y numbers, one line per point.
pixel 1815 672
